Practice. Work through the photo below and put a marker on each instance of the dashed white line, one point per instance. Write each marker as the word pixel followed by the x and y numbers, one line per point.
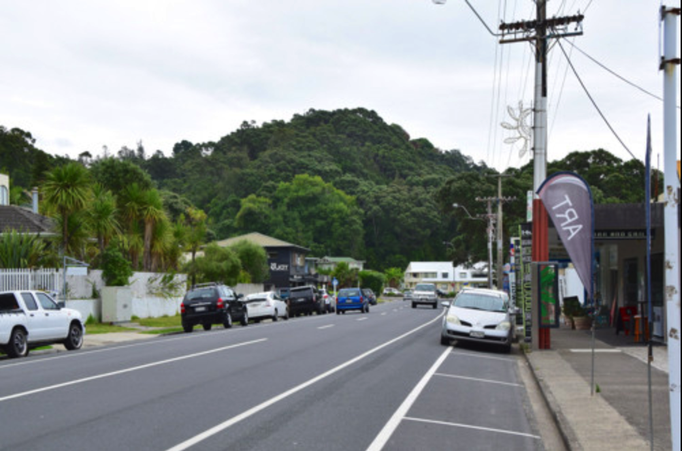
pixel 481 356
pixel 362 319
pixel 127 370
pixel 326 327
pixel 468 426
pixel 264 405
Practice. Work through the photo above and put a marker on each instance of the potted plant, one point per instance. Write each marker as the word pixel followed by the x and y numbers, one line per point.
pixel 576 313
pixel 116 294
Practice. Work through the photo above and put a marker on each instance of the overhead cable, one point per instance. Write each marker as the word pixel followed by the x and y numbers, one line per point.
pixel 593 102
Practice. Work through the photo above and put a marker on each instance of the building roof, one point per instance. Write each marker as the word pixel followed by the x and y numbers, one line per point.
pixel 430 266
pixel 259 239
pixel 23 220
pixel 340 260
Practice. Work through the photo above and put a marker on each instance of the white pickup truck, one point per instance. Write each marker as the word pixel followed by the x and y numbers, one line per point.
pixel 32 318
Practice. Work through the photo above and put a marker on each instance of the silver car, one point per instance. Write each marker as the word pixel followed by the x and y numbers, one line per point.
pixel 479 315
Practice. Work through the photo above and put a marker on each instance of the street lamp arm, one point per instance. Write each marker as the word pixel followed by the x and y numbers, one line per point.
pixel 442 2
pixel 467 211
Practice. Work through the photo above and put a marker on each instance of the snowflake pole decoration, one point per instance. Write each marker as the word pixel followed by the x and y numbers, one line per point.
pixel 520 126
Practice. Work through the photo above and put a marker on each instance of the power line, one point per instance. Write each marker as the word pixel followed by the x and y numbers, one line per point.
pixel 593 102
pixel 615 74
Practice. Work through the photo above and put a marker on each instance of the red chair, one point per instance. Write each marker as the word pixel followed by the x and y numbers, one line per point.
pixel 627 316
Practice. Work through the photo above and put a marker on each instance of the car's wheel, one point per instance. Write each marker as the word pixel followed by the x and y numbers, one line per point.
pixel 367 308
pixel 245 319
pixel 445 341
pixel 435 305
pixel 343 311
pixel 187 327
pixel 286 315
pixel 275 317
pixel 75 338
pixel 227 320
pixel 207 326
pixel 338 312
pixel 18 345
pixel 414 305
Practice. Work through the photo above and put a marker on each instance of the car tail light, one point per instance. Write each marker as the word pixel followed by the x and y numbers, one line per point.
pixel 182 307
pixel 220 304
pixel 267 304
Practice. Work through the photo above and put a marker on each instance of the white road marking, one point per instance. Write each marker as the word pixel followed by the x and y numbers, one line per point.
pixel 601 351
pixel 481 356
pixel 467 426
pixel 399 414
pixel 362 319
pixel 264 405
pixel 385 313
pixel 326 327
pixel 476 379
pixel 127 370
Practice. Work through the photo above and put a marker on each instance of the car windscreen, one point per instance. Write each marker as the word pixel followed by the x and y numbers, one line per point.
pixel 201 293
pixel 255 299
pixel 349 292
pixel 425 287
pixel 480 302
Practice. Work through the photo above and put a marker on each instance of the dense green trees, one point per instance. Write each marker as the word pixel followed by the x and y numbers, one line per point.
pixel 341 183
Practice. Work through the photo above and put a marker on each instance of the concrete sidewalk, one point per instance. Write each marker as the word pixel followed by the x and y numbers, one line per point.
pixel 616 417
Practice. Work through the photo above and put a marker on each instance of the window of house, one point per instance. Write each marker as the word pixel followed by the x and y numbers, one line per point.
pixel 444 275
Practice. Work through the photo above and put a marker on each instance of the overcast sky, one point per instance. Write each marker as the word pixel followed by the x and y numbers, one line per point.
pixel 83 74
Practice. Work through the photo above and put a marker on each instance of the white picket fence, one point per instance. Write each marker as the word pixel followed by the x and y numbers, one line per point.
pixel 30 279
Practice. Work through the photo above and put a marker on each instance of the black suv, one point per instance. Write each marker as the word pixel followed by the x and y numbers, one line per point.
pixel 369 294
pixel 212 303
pixel 305 300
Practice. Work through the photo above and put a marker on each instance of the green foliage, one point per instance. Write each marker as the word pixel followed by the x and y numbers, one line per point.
pixel 20 251
pixel 572 308
pixel 346 276
pixel 372 279
pixel 116 269
pixel 254 261
pixel 218 264
pixel 115 174
pixel 394 276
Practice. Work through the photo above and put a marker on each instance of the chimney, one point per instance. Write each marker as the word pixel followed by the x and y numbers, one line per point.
pixel 35 199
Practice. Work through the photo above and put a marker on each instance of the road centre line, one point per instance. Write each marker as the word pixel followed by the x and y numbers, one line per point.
pixel 480 428
pixel 264 405
pixel 476 379
pixel 362 319
pixel 326 327
pixel 128 370
pixel 390 427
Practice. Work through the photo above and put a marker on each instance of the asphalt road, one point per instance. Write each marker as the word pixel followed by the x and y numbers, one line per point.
pixel 334 382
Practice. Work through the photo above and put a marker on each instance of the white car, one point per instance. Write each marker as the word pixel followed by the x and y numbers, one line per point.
pixel 479 315
pixel 266 305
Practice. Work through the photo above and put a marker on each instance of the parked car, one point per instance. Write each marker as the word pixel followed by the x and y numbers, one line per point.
pixel 212 303
pixel 30 318
pixel 305 300
pixel 328 301
pixel 371 297
pixel 407 295
pixel 390 291
pixel 425 293
pixel 479 315
pixel 351 299
pixel 266 305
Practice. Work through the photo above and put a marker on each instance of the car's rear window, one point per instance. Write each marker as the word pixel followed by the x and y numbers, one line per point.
pixel 200 293
pixel 257 299
pixel 347 292
pixel 425 287
pixel 480 302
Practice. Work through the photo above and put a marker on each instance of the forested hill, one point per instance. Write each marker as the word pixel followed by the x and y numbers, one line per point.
pixel 247 182
pixel 341 183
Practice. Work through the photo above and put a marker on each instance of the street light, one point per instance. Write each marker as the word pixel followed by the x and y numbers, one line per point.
pixel 462 206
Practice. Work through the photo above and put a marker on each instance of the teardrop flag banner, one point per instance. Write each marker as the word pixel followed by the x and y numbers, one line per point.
pixel 568 201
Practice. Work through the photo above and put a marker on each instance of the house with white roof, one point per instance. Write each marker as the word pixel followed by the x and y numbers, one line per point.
pixel 446 277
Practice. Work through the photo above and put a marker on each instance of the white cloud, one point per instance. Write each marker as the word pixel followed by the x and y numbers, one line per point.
pixel 82 74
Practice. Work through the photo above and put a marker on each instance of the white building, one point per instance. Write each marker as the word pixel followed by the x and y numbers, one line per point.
pixel 446 277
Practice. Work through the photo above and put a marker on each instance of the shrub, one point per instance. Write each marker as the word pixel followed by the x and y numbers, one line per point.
pixel 116 269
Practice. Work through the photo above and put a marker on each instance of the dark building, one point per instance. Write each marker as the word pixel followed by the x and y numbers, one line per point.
pixel 286 261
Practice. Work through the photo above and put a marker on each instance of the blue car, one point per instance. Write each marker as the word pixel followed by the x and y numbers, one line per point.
pixel 351 299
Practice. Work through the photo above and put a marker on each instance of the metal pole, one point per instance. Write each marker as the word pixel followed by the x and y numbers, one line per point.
pixel 500 260
pixel 490 246
pixel 671 214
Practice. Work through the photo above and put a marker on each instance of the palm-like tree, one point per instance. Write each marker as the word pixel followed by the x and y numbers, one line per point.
pixel 151 212
pixel 103 219
pixel 67 190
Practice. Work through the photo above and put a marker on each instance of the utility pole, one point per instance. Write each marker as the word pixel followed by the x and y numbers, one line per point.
pixel 539 31
pixel 669 64
pixel 500 230
pixel 490 230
